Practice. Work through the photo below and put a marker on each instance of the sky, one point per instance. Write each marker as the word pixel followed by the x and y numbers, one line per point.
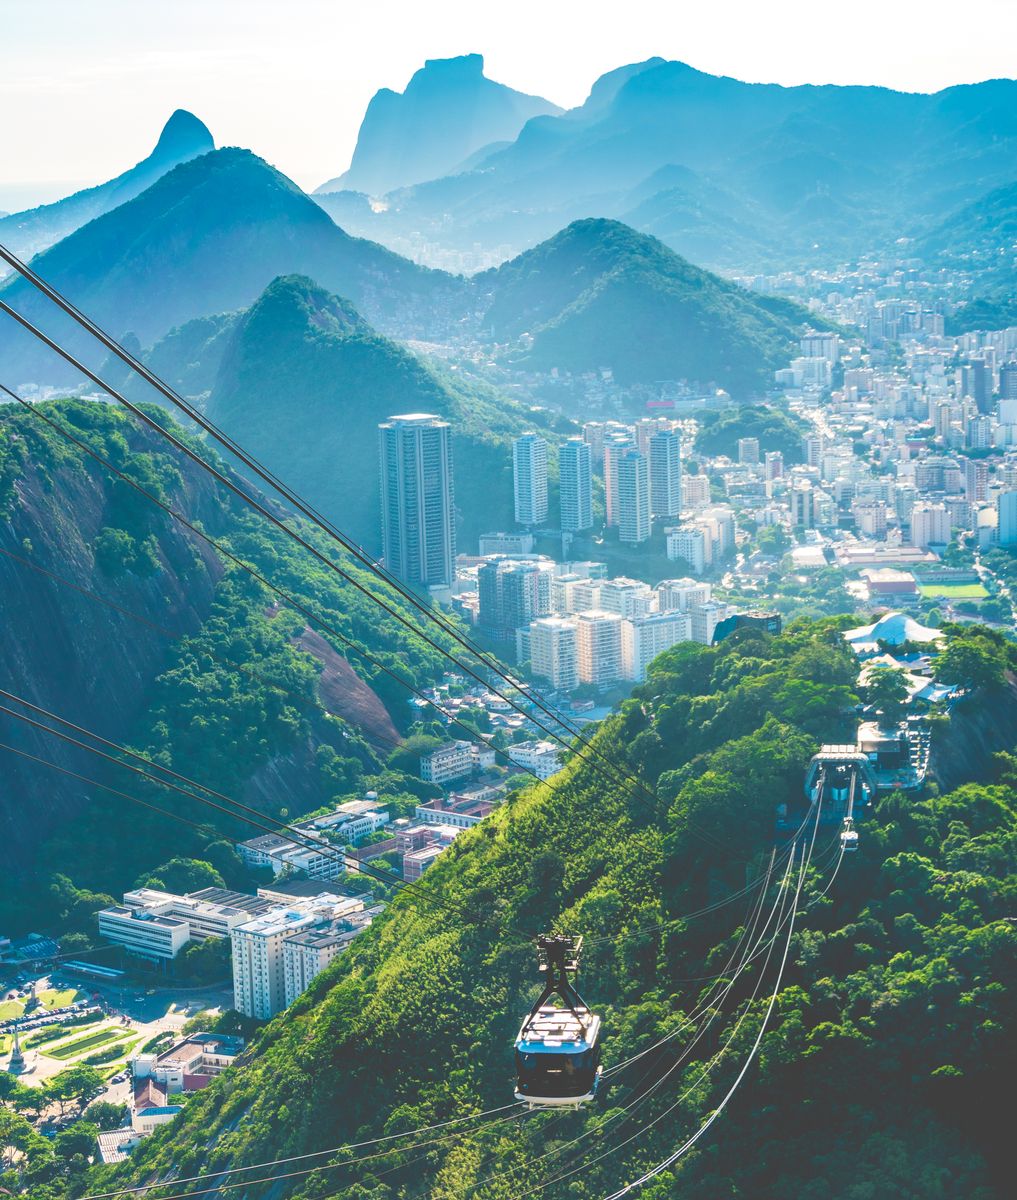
pixel 86 85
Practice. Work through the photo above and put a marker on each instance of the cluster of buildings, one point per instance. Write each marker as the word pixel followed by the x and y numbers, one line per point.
pixel 575 626
pixel 279 939
pixel 346 825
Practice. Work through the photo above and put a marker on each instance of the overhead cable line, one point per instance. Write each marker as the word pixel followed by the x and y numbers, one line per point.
pixel 307 841
pixel 293 603
pixel 297 503
pixel 293 1158
pixel 690 1142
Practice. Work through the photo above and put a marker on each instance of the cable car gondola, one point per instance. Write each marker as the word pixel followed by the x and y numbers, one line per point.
pixel 558 1048
pixel 848 836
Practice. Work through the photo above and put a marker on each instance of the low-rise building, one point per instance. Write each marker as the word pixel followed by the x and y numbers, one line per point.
pixel 542 758
pixel 157 925
pixel 452 761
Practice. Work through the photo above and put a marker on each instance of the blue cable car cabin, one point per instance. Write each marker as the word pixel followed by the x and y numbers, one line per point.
pixel 558 1057
pixel 558 1049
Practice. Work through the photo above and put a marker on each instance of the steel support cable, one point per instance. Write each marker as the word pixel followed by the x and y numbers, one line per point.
pixel 717 975
pixel 260 508
pixel 700 912
pixel 310 841
pixel 816 899
pixel 93 783
pixel 720 989
pixel 34 411
pixel 346 1162
pixel 690 1142
pixel 220 548
pixel 280 1162
pixel 709 1012
pixel 267 476
pixel 363 868
pixel 702 1075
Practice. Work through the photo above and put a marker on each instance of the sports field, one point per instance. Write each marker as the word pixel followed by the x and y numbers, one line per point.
pixel 953 591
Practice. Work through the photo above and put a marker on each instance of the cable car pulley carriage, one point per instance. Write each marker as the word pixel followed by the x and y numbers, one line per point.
pixel 558 1048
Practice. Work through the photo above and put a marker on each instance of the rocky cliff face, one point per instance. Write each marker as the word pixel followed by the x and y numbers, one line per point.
pixel 70 652
pixel 962 750
pixel 97 591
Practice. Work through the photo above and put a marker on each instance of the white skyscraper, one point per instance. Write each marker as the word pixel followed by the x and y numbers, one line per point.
pixel 553 652
pixel 665 474
pixel 930 525
pixel 598 647
pixel 576 485
pixel 615 445
pixel 1006 510
pixel 417 513
pixel 633 488
pixel 643 638
pixel 529 475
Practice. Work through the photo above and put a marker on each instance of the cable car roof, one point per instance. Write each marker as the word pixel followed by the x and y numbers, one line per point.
pixel 558 1030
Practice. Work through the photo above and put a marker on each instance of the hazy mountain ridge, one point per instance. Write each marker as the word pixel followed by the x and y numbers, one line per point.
pixel 206 238
pixel 811 164
pixel 449 111
pixel 28 233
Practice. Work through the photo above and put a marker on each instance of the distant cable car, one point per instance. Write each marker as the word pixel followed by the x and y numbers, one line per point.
pixel 558 1048
pixel 848 836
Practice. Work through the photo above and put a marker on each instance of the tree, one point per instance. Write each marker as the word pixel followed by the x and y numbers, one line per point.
pixel 79 1139
pixel 105 1115
pixel 970 663
pixel 886 690
pixel 80 1083
pixel 407 756
pixel 17 1136
pixel 183 875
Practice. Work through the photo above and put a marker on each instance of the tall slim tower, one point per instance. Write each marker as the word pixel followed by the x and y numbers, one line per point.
pixel 417 514
pixel 529 475
pixel 633 498
pixel 666 473
pixel 576 485
pixel 615 445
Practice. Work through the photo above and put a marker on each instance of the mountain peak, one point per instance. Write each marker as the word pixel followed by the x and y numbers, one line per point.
pixel 183 135
pixel 462 66
pixel 448 111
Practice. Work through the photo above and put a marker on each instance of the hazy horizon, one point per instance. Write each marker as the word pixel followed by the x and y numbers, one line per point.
pixel 295 90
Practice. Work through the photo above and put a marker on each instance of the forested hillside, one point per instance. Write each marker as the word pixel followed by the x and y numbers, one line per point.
pixel 887 1045
pixel 599 294
pixel 304 383
pixel 123 621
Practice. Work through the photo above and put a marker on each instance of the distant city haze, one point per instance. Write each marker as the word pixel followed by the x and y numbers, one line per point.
pixel 87 84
